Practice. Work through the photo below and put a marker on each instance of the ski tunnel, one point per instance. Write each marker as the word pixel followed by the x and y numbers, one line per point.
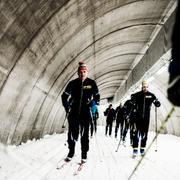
pixel 41 42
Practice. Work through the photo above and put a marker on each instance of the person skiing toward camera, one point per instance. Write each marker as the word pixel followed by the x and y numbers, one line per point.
pixel 110 113
pixel 81 91
pixel 119 120
pixel 143 101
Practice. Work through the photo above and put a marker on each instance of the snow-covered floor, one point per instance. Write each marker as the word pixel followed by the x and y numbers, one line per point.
pixel 37 160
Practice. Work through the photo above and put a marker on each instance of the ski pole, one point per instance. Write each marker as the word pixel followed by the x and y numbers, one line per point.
pixel 118 145
pixel 64 123
pixel 121 134
pixel 156 126
pixel 161 128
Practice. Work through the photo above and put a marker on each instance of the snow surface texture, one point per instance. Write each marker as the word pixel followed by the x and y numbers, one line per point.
pixel 38 160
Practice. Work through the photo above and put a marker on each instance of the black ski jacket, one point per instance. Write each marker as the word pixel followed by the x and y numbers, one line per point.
pixel 111 114
pixel 130 111
pixel 143 101
pixel 78 95
pixel 120 114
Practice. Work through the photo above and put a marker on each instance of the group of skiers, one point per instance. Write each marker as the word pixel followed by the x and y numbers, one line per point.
pixel 134 115
pixel 81 94
pixel 80 100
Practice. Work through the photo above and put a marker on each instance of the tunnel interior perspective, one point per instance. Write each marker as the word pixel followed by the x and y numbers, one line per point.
pixel 41 43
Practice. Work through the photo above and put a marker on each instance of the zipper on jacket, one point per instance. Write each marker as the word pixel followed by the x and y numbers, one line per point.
pixel 80 102
pixel 144 103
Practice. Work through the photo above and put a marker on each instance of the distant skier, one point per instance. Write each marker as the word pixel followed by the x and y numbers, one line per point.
pixel 129 116
pixel 119 120
pixel 95 116
pixel 143 100
pixel 110 113
pixel 82 91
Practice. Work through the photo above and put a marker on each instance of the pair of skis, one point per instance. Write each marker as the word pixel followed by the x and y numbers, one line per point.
pixel 60 166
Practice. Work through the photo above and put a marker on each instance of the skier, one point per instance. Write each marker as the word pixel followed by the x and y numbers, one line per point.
pixel 111 114
pixel 173 90
pixel 82 91
pixel 143 100
pixel 119 120
pixel 129 116
pixel 95 116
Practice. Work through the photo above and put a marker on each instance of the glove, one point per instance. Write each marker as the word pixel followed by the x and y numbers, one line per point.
pixel 92 103
pixel 157 103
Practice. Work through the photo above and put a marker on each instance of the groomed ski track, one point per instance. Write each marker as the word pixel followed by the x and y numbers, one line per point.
pixel 37 160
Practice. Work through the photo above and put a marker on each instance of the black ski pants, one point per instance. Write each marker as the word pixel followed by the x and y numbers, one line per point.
pixel 109 123
pixel 121 124
pixel 141 132
pixel 76 127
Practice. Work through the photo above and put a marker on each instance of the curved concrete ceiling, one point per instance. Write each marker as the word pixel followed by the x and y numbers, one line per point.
pixel 41 43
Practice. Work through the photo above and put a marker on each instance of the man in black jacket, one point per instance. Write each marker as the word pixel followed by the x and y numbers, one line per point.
pixel 143 100
pixel 81 91
pixel 119 120
pixel 111 114
pixel 130 117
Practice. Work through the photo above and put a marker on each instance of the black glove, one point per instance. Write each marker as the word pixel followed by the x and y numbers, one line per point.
pixel 173 90
pixel 157 103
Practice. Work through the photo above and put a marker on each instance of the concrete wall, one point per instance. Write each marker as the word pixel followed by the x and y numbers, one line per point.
pixel 41 43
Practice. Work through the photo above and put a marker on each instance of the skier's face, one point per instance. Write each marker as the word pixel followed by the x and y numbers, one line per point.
pixel 83 74
pixel 145 88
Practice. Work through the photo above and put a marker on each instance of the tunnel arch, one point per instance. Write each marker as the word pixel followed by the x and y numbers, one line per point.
pixel 41 43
